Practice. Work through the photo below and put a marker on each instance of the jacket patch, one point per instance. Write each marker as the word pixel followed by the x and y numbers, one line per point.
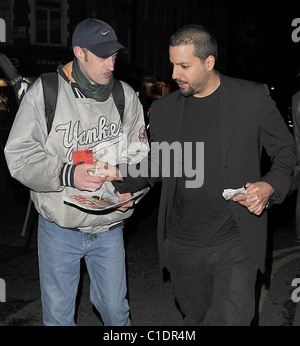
pixel 143 135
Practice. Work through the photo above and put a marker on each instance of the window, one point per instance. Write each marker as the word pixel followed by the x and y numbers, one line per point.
pixel 49 22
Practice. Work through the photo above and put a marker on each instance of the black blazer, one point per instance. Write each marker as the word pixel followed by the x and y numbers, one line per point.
pixel 249 121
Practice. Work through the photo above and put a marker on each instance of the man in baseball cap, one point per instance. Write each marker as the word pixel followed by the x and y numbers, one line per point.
pixel 86 127
pixel 96 36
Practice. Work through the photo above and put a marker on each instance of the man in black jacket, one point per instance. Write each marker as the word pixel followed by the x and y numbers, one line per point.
pixel 213 247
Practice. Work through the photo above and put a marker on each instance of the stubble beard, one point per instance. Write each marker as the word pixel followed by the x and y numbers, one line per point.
pixel 188 92
pixel 197 89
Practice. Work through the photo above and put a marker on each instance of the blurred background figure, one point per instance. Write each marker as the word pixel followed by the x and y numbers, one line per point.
pixel 15 80
pixel 296 131
pixel 7 113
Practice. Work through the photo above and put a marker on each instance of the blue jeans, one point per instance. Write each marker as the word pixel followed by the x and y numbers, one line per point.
pixel 60 251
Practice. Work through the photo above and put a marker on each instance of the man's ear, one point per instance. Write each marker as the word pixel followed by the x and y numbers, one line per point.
pixel 210 62
pixel 79 53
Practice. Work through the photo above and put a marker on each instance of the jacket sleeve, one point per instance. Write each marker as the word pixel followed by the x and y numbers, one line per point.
pixel 138 176
pixel 27 159
pixel 279 144
pixel 135 141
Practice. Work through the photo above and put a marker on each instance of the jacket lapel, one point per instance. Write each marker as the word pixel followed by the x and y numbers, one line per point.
pixel 178 119
pixel 179 116
pixel 227 116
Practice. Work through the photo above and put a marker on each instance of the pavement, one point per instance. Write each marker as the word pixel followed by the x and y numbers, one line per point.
pixel 149 291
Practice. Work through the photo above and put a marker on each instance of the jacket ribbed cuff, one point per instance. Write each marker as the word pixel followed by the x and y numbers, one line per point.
pixel 67 175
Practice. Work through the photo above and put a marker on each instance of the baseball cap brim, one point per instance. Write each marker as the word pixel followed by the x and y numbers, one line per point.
pixel 106 49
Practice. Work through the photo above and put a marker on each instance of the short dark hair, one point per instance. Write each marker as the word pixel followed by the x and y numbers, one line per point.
pixel 204 41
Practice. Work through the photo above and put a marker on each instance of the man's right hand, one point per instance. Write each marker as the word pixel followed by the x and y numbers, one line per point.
pixel 83 180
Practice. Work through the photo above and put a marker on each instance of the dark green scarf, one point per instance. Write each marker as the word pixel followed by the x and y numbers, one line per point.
pixel 97 92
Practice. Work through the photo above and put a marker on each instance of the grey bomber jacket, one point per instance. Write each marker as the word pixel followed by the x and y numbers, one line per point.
pixel 44 163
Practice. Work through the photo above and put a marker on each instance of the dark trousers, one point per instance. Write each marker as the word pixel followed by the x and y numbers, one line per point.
pixel 214 286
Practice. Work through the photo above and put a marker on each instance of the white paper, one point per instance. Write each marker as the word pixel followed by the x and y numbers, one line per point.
pixel 230 193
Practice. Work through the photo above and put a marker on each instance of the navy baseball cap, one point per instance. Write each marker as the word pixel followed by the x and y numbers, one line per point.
pixel 96 36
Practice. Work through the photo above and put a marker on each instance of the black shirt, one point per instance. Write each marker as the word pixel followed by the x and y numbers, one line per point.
pixel 201 216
